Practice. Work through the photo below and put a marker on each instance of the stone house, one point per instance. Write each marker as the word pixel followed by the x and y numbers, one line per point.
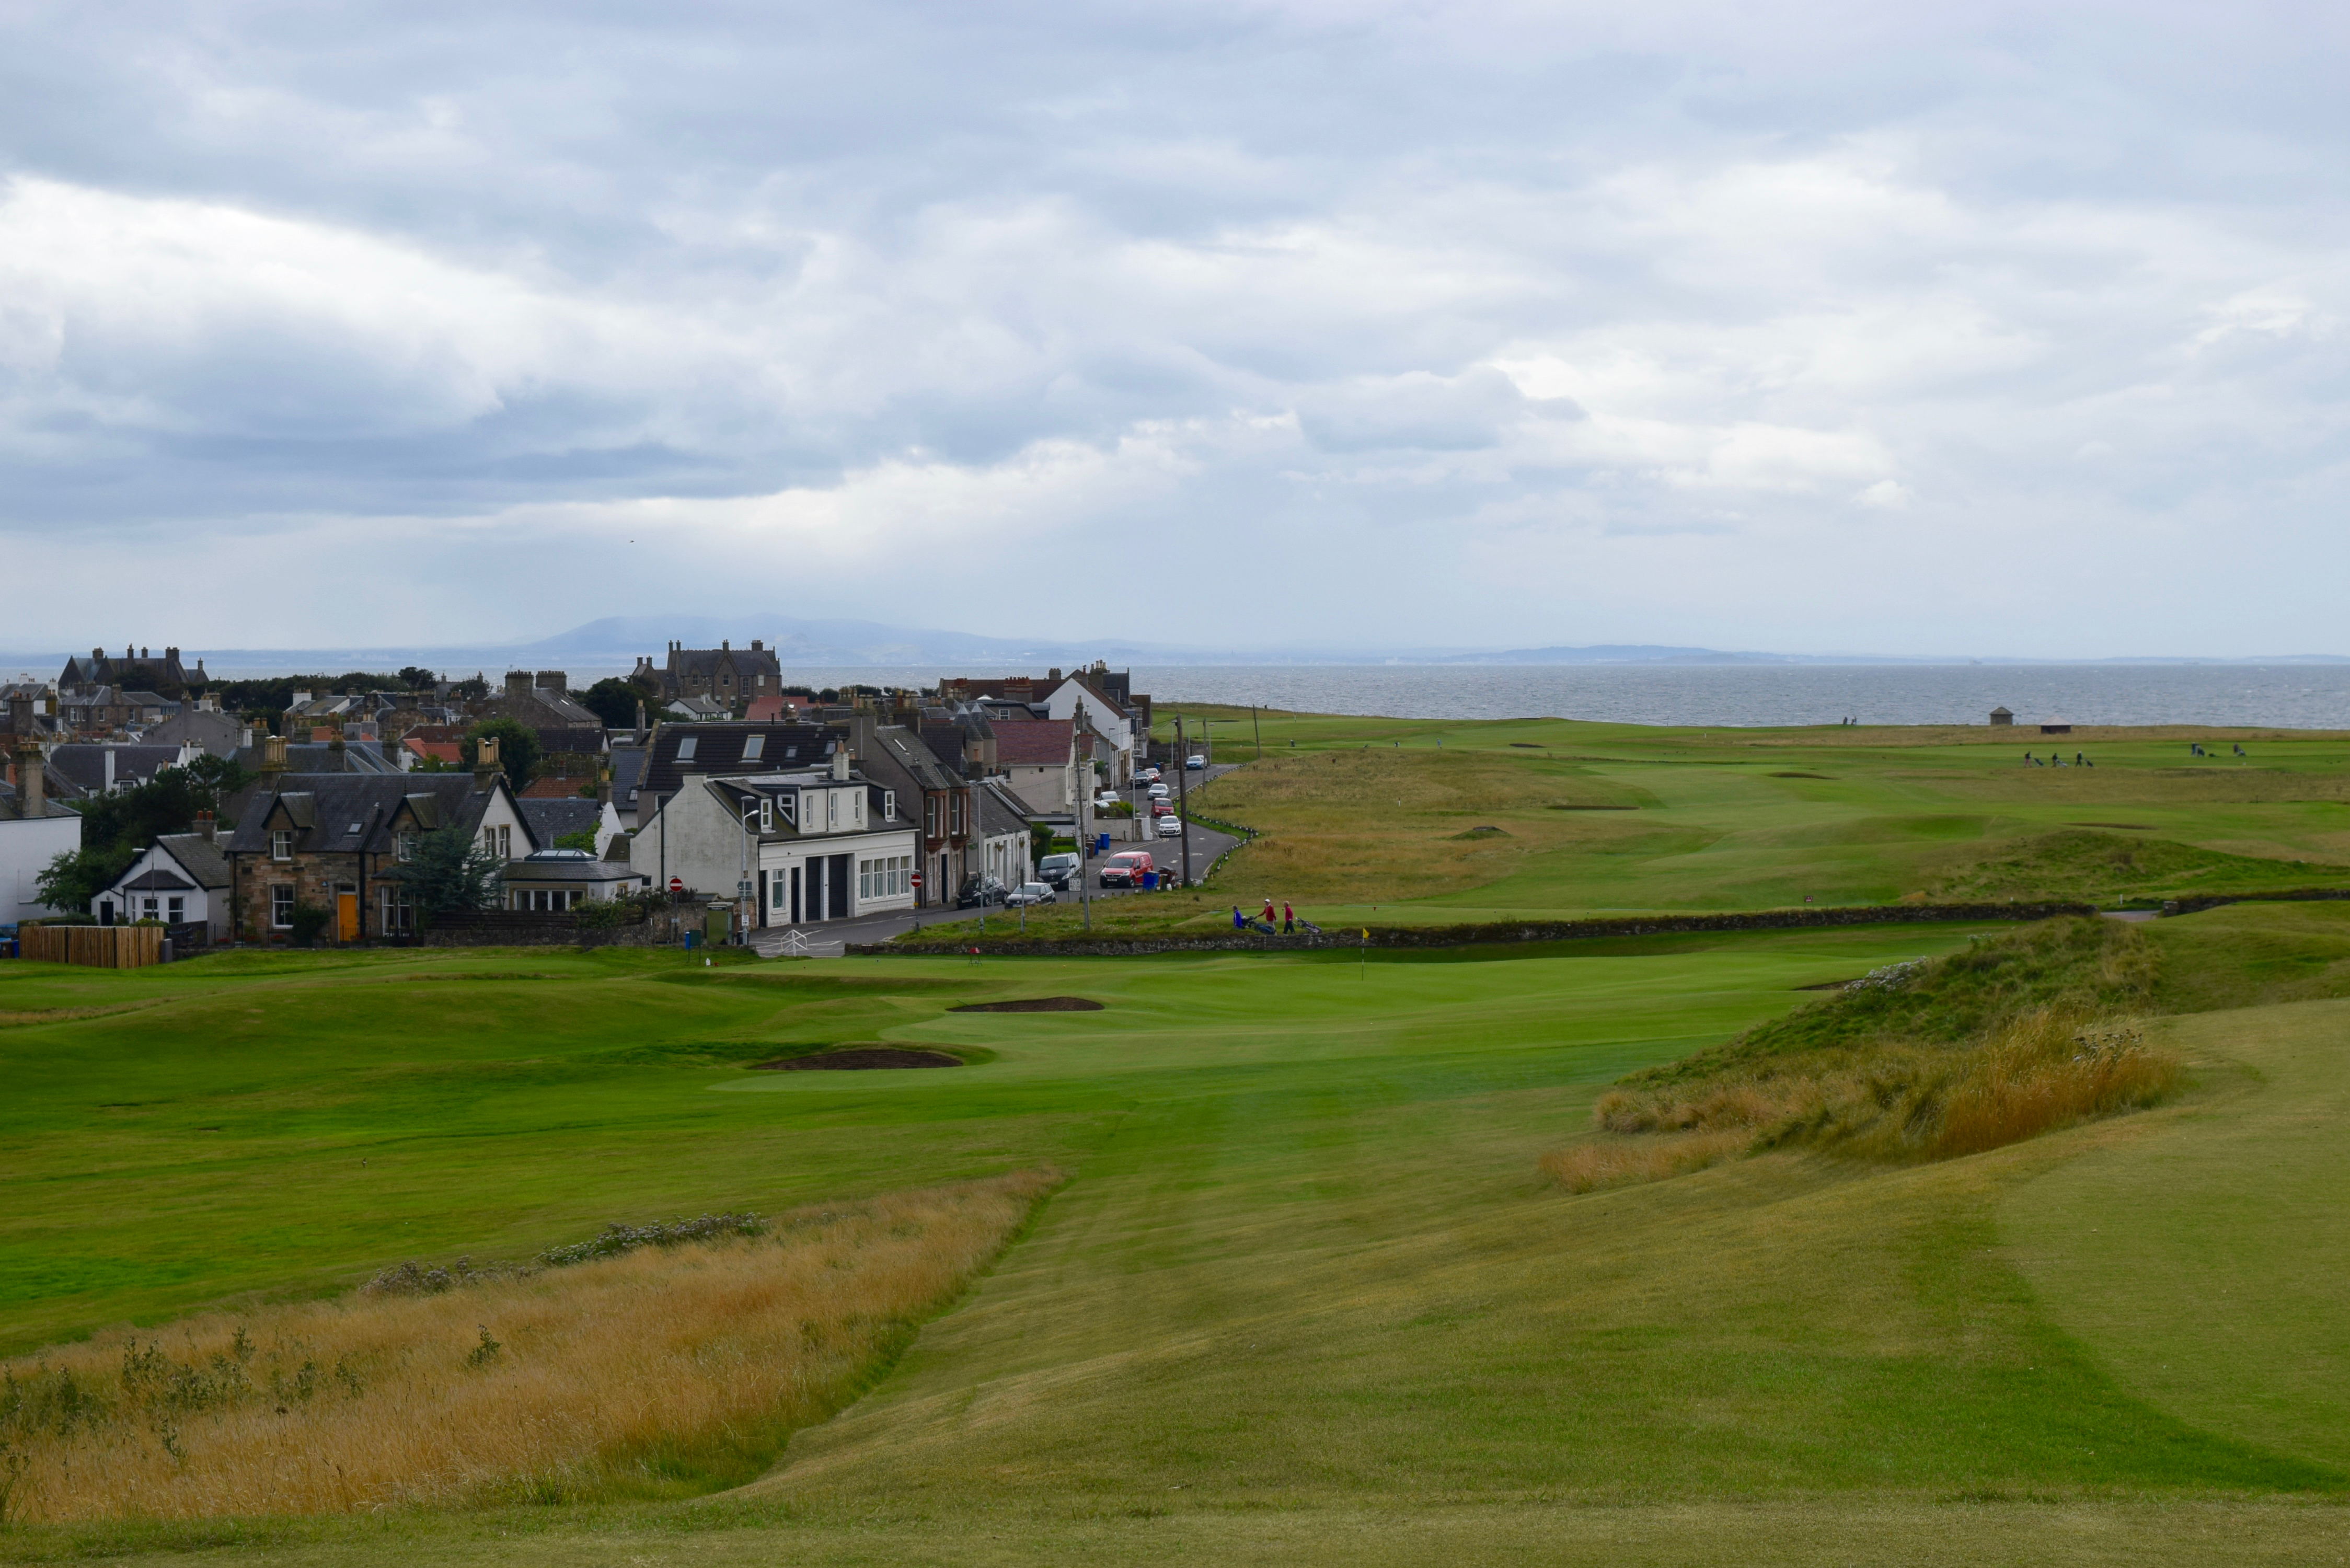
pixel 729 676
pixel 1039 761
pixel 330 841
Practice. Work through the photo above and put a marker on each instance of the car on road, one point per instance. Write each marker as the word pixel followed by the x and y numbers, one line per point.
pixel 1029 893
pixel 1159 792
pixel 977 892
pixel 1127 868
pixel 1056 869
pixel 1195 762
pixel 1162 808
pixel 1148 775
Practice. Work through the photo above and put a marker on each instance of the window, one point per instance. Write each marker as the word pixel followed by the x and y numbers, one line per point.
pixel 832 808
pixel 399 917
pixel 787 807
pixel 857 805
pixel 889 805
pixel 150 909
pixel 755 748
pixel 403 847
pixel 281 843
pixel 865 878
pixel 175 909
pixel 930 815
pixel 685 748
pixel 281 907
pixel 767 815
pixel 775 892
pixel 499 841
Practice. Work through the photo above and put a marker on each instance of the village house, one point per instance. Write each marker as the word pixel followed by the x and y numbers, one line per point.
pixel 941 804
pixel 799 844
pixel 34 831
pixel 1007 850
pixel 201 723
pixel 551 881
pixel 676 753
pixel 1039 762
pixel 332 841
pixel 83 770
pixel 181 879
pixel 136 668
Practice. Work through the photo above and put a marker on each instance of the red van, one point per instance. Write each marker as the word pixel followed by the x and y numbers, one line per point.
pixel 1127 868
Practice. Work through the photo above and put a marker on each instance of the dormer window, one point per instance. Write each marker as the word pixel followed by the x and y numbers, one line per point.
pixel 281 843
pixel 889 805
pixel 404 847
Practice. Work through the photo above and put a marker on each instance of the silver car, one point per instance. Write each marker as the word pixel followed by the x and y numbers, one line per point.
pixel 1029 893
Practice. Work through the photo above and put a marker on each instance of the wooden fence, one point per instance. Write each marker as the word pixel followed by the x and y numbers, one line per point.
pixel 98 947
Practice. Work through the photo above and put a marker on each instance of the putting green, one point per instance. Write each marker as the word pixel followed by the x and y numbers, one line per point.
pixel 2202 1254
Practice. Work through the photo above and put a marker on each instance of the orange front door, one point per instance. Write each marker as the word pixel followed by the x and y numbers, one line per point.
pixel 347 917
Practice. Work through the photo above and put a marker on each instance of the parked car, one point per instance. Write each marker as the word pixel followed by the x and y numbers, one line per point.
pixel 979 892
pixel 1056 869
pixel 1195 762
pixel 1106 801
pixel 1148 775
pixel 1029 893
pixel 1126 868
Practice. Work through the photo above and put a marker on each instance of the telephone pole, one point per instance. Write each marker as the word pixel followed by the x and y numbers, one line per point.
pixel 1183 795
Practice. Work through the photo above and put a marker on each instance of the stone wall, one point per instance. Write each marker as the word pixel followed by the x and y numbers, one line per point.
pixel 1498 932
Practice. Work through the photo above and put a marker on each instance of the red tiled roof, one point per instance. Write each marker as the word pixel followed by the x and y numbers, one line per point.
pixel 1039 742
pixel 448 752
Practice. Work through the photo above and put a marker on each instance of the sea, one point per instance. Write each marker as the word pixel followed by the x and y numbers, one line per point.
pixel 2279 696
pixel 2282 696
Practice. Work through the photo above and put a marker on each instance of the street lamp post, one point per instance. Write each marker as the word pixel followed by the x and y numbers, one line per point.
pixel 743 882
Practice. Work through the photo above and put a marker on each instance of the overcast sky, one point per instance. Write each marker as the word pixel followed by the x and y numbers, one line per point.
pixel 1996 328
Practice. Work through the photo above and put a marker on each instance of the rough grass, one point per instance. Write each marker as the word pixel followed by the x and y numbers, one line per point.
pixel 651 1371
pixel 2102 867
pixel 2010 1038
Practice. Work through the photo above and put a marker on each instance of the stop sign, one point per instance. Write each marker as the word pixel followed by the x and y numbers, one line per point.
pixel 677 884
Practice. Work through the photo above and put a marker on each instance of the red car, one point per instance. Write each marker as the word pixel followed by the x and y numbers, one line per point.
pixel 1127 868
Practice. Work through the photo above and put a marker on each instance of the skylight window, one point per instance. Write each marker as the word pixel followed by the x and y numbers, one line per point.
pixel 755 748
pixel 685 748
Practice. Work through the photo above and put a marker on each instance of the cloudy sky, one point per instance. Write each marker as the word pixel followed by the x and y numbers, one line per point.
pixel 2013 330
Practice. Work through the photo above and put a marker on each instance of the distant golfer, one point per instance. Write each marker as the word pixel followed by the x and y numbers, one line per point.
pixel 1240 922
pixel 1288 919
pixel 1266 915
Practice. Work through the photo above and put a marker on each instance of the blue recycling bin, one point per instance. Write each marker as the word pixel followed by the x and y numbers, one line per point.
pixel 692 941
pixel 1149 880
pixel 1101 843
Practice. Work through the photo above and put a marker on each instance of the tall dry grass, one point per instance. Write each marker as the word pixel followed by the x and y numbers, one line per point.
pixel 2038 1071
pixel 664 1368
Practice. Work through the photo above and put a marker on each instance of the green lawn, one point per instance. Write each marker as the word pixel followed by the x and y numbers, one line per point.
pixel 1373 819
pixel 1302 1297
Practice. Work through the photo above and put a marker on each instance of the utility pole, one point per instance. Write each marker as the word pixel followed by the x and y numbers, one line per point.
pixel 1183 796
pixel 1084 847
pixel 1258 730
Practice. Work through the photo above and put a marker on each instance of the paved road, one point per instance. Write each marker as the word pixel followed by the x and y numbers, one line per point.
pixel 825 938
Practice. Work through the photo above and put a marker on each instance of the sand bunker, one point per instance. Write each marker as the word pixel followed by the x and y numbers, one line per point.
pixel 1033 1005
pixel 860 1059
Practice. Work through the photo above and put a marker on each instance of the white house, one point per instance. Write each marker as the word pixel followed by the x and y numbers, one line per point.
pixel 181 879
pixel 34 831
pixel 1073 696
pixel 1006 850
pixel 814 844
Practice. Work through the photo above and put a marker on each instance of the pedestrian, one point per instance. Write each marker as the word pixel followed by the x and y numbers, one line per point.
pixel 1288 919
pixel 1267 916
pixel 1240 922
pixel 2076 759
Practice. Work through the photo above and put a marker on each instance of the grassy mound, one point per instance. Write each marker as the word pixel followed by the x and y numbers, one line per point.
pixel 2101 867
pixel 2014 1036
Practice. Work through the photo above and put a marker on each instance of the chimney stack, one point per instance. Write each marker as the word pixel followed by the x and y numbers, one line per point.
pixel 206 825
pixel 30 782
pixel 485 761
pixel 839 764
pixel 518 683
pixel 555 681
pixel 273 754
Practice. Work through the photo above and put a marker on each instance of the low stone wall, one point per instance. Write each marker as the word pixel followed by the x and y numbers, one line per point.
pixel 2200 902
pixel 1495 932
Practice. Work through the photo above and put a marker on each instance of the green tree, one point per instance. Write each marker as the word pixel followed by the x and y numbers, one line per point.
pixel 72 879
pixel 582 839
pixel 614 701
pixel 449 871
pixel 518 748
pixel 416 678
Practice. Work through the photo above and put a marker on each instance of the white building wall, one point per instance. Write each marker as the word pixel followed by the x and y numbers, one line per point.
pixel 1114 726
pixel 26 848
pixel 695 839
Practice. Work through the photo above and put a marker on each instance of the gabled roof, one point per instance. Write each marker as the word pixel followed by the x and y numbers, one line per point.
pixel 678 750
pixel 897 750
pixel 82 764
pixel 551 818
pixel 1001 813
pixel 1042 742
pixel 199 857
pixel 342 812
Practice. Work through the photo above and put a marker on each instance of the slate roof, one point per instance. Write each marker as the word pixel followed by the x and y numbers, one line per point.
pixel 1041 742
pixel 628 765
pixel 320 757
pixel 550 819
pixel 82 764
pixel 341 814
pixel 199 857
pixel 725 748
pixel 50 806
pixel 1000 811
